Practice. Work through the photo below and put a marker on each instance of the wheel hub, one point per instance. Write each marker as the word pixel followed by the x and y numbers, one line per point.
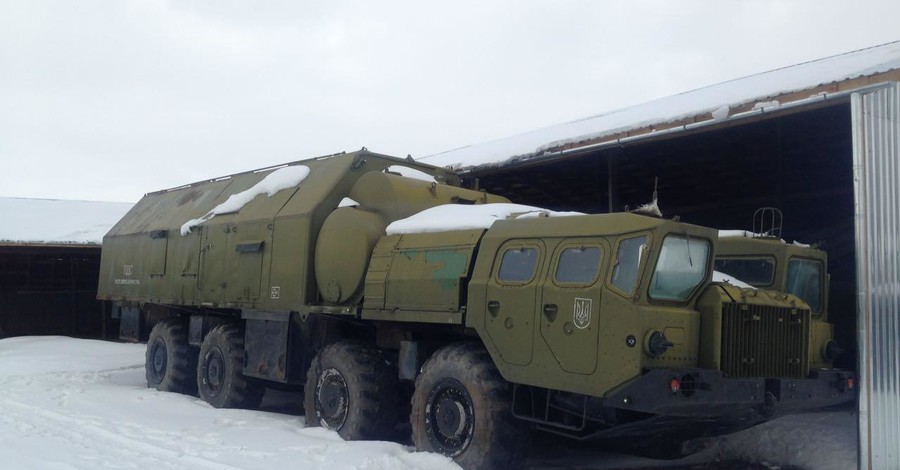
pixel 449 417
pixel 158 358
pixel 332 399
pixel 214 375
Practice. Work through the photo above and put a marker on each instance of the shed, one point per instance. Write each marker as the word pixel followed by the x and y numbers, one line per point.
pixel 820 140
pixel 49 265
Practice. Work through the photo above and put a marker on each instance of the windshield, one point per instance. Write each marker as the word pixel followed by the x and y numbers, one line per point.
pixel 805 279
pixel 681 268
pixel 753 271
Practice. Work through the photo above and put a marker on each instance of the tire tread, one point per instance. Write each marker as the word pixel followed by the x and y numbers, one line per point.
pixel 241 391
pixel 182 358
pixel 373 384
pixel 470 364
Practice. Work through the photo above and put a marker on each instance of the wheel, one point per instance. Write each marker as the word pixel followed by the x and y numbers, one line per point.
pixel 353 389
pixel 170 362
pixel 461 408
pixel 220 379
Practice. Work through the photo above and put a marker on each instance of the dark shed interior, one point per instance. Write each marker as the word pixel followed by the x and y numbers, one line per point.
pixel 799 161
pixel 50 290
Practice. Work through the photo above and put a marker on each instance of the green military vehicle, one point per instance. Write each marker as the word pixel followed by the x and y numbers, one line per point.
pixel 763 259
pixel 393 295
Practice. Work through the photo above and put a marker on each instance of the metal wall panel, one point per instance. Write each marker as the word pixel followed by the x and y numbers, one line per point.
pixel 876 149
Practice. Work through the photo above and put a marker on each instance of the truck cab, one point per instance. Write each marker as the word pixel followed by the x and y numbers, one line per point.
pixel 761 258
pixel 573 303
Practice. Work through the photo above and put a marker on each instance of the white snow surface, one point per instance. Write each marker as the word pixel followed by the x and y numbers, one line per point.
pixel 722 277
pixel 278 180
pixel 76 404
pixel 411 173
pixel 749 234
pixel 767 104
pixel 25 220
pixel 650 208
pixel 715 99
pixel 721 112
pixel 811 441
pixel 464 217
pixel 348 202
pixel 738 234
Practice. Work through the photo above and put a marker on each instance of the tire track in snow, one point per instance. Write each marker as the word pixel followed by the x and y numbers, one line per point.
pixel 80 430
pixel 69 374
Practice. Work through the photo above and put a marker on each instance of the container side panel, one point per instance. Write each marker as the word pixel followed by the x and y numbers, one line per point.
pixel 428 271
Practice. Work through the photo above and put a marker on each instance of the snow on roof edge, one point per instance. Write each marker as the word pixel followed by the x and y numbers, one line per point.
pixel 49 244
pixel 57 222
pixel 711 100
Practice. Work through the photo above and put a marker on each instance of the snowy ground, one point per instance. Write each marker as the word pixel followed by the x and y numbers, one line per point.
pixel 71 404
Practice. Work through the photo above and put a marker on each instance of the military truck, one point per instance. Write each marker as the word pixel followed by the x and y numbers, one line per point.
pixel 393 295
pixel 763 259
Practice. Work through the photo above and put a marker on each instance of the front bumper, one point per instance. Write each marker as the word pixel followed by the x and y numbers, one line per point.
pixel 703 393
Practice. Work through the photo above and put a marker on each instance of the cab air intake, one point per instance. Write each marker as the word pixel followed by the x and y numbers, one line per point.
pixel 763 341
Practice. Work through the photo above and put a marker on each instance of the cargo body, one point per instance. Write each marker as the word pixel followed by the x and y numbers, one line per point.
pixel 261 256
pixel 398 299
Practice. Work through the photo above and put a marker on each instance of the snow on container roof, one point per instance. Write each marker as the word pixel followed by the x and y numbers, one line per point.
pixel 450 217
pixel 276 181
pixel 52 221
pixel 807 82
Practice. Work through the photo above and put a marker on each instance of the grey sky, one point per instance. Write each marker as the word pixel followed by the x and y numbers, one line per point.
pixel 108 100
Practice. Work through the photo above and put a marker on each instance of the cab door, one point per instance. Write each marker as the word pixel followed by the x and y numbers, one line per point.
pixel 570 306
pixel 512 297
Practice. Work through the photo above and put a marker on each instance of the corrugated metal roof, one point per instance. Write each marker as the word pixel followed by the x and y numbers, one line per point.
pixel 807 82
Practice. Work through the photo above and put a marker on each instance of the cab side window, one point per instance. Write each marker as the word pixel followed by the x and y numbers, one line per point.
pixel 805 279
pixel 578 265
pixel 518 265
pixel 628 260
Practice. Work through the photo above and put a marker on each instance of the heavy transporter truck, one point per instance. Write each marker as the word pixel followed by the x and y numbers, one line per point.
pixel 584 326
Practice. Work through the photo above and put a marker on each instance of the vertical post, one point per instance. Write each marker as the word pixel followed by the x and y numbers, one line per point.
pixel 73 286
pixel 779 155
pixel 862 284
pixel 612 183
pixel 876 173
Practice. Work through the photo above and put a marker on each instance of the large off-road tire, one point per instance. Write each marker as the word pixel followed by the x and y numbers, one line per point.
pixel 219 375
pixel 170 361
pixel 461 408
pixel 353 389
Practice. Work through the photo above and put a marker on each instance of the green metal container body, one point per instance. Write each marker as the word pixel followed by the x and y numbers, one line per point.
pixel 262 257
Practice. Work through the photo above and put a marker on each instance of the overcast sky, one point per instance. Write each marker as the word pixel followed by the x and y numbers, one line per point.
pixel 108 100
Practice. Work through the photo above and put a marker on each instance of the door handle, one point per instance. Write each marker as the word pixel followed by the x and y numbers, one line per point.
pixel 493 308
pixel 550 311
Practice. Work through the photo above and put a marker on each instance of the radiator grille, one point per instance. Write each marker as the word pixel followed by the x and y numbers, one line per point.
pixel 761 341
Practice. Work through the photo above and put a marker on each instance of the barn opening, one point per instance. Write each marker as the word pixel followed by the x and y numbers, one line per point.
pixel 50 290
